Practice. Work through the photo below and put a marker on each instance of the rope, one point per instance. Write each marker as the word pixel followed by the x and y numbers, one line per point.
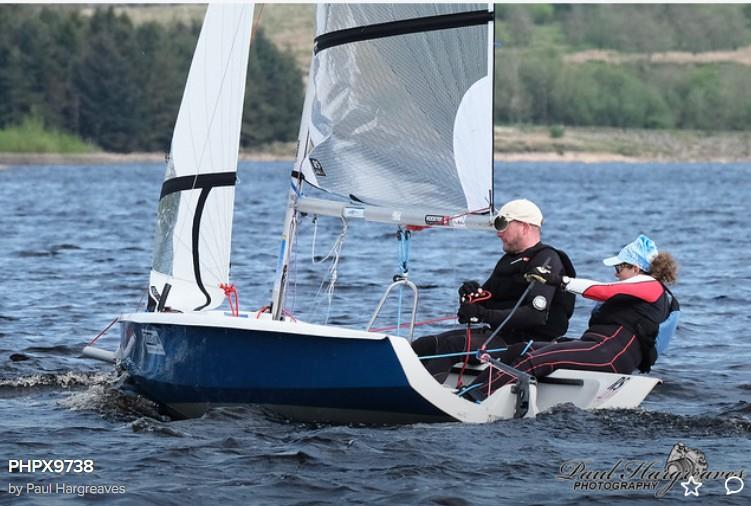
pixel 254 29
pixel 334 253
pixel 402 237
pixel 104 331
pixel 468 340
pixel 232 298
pixel 417 324
pixel 478 211
pixel 529 345
pixel 459 354
pixel 470 299
pixel 513 310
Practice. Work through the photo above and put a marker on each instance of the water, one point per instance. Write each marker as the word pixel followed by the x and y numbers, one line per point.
pixel 76 250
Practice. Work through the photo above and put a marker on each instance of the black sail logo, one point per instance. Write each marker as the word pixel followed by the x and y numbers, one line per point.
pixel 317 167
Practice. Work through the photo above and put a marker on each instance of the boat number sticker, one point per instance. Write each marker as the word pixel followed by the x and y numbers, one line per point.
pixel 433 219
pixel 317 167
pixel 152 343
pixel 540 303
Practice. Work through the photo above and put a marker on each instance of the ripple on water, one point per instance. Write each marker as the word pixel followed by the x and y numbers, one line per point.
pixel 76 270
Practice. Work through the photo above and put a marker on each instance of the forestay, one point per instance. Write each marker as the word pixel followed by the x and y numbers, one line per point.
pixel 399 107
pixel 194 222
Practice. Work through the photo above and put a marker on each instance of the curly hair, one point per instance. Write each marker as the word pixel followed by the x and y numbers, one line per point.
pixel 664 268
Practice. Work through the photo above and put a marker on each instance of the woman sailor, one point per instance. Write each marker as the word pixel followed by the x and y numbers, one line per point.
pixel 633 322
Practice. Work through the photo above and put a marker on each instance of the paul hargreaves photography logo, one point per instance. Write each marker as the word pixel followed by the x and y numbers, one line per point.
pixel 683 466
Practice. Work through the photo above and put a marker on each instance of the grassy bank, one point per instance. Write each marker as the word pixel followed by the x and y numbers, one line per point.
pixel 621 144
pixel 32 137
pixel 511 143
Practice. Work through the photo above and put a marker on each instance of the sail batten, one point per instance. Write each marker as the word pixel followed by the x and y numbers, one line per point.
pixel 401 27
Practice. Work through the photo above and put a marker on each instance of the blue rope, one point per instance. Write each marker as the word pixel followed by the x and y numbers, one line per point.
pixel 295 189
pixel 446 355
pixel 404 236
pixel 529 344
pixel 467 389
pixel 403 253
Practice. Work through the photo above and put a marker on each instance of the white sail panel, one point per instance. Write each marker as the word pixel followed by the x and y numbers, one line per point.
pixel 194 222
pixel 402 114
pixel 473 141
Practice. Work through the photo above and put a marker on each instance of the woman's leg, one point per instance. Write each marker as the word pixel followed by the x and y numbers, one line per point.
pixel 615 349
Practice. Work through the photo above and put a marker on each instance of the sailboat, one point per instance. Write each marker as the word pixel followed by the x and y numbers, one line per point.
pixel 397 128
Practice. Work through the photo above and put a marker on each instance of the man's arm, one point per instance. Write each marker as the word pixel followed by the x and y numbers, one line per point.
pixel 534 310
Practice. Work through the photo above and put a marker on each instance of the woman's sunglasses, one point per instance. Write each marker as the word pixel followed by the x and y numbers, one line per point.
pixel 620 267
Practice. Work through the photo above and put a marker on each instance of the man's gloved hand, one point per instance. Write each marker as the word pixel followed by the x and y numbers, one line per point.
pixel 471 313
pixel 543 274
pixel 468 288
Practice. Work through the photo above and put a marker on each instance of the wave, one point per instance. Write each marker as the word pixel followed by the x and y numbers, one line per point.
pixel 115 402
pixel 66 379
pixel 726 423
pixel 149 425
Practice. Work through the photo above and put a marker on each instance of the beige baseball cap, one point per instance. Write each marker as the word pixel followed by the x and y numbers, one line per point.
pixel 518 210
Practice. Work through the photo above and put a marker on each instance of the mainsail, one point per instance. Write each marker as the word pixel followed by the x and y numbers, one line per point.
pixel 398 118
pixel 194 222
pixel 400 105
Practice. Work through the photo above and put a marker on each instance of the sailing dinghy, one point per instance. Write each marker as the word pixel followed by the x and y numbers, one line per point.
pixel 397 128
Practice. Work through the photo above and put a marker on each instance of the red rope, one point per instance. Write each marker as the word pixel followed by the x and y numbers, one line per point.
pixel 459 382
pixel 446 219
pixel 417 324
pixel 484 295
pixel 104 331
pixel 232 298
pixel 267 309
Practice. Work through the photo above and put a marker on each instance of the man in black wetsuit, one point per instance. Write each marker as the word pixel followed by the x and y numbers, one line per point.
pixel 542 315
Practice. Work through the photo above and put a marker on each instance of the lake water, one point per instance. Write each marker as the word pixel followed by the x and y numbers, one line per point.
pixel 76 251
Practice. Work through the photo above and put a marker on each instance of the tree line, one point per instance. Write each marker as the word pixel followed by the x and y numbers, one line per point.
pixel 643 28
pixel 541 88
pixel 119 86
pixel 535 84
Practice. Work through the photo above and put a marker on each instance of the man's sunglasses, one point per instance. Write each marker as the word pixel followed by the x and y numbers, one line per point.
pixel 501 223
pixel 620 267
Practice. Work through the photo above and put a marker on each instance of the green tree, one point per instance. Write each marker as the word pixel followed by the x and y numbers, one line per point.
pixel 519 25
pixel 538 74
pixel 107 84
pixel 160 71
pixel 273 95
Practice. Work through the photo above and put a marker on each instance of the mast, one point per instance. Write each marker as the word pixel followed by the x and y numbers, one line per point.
pixel 491 73
pixel 290 217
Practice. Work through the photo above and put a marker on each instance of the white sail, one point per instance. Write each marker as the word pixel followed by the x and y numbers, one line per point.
pixel 401 105
pixel 194 222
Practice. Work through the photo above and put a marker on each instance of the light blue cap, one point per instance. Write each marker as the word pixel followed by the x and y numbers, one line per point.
pixel 641 252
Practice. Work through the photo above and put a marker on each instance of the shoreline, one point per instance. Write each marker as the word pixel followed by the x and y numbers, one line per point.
pixel 8 160
pixel 512 144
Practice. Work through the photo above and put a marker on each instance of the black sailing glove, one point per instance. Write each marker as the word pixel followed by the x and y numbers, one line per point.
pixel 468 288
pixel 471 313
pixel 543 274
